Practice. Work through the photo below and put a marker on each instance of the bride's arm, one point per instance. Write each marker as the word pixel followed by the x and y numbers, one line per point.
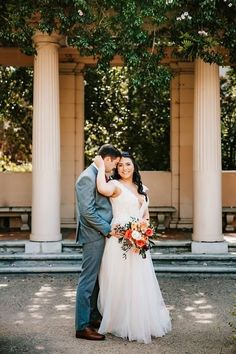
pixel 105 188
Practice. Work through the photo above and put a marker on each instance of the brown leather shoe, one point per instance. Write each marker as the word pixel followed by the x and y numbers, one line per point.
pixel 89 333
pixel 95 323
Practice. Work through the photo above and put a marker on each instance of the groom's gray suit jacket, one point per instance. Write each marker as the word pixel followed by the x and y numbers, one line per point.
pixel 94 212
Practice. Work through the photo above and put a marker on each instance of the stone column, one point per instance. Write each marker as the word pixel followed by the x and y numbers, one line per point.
pixel 181 144
pixel 79 114
pixel 175 144
pixel 46 147
pixel 79 125
pixel 72 136
pixel 207 235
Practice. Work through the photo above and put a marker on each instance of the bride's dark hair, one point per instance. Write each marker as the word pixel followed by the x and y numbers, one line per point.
pixel 136 175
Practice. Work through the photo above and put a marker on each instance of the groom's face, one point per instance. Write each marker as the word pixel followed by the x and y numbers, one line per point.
pixel 110 163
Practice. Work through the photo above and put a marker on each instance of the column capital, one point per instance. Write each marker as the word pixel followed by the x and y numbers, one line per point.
pixel 69 68
pixel 79 69
pixel 178 67
pixel 40 38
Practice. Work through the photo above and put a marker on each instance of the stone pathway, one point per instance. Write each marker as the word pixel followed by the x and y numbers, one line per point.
pixel 37 316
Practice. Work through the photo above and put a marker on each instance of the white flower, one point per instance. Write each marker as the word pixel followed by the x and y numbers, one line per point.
pixel 203 33
pixel 136 235
pixel 80 12
pixel 184 16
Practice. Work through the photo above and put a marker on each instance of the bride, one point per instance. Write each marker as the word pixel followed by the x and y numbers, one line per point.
pixel 130 299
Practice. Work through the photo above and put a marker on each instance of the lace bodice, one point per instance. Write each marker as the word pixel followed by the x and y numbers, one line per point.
pixel 127 205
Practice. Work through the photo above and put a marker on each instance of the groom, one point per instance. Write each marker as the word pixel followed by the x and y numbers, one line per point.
pixel 94 215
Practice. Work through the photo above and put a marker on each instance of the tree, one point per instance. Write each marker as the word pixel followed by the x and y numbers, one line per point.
pixel 16 113
pixel 141 32
pixel 228 120
pixel 133 115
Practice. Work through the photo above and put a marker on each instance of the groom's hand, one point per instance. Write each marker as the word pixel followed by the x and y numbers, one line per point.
pixel 114 233
pixel 98 160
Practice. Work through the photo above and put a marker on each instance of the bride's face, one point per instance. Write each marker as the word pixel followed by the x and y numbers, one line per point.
pixel 125 168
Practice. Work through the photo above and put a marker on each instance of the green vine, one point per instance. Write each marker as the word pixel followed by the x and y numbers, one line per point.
pixel 140 31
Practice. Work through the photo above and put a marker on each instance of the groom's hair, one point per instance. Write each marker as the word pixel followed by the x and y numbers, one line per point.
pixel 109 150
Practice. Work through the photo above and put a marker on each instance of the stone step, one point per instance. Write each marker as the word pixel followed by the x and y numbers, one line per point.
pixel 12 247
pixel 162 246
pixel 170 246
pixel 156 256
pixel 164 263
pixel 169 257
pixel 161 269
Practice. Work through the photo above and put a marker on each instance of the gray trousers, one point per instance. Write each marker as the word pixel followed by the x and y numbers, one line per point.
pixel 87 290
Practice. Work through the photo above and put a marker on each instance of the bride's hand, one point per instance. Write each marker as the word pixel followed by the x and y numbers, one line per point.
pixel 98 160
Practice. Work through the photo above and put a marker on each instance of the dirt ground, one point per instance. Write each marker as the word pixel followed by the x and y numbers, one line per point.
pixel 37 316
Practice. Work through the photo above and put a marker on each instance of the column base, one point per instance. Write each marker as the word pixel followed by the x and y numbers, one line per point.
pixel 209 247
pixel 43 247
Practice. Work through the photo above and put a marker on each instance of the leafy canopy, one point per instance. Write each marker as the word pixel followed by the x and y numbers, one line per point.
pixel 141 31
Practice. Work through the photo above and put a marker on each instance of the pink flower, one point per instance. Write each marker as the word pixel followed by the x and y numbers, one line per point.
pixel 149 232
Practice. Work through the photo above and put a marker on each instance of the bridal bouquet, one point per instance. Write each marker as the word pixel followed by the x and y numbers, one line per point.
pixel 135 236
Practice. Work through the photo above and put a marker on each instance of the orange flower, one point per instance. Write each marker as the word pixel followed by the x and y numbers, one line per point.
pixel 140 243
pixel 128 234
pixel 149 232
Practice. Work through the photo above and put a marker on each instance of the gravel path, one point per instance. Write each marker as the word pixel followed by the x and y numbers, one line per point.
pixel 37 316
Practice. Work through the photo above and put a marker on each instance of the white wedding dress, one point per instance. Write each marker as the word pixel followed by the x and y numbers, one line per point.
pixel 130 299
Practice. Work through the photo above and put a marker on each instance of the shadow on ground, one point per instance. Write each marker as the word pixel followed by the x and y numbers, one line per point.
pixel 37 316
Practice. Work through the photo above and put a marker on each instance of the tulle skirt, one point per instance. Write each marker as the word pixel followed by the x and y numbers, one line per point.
pixel 130 299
